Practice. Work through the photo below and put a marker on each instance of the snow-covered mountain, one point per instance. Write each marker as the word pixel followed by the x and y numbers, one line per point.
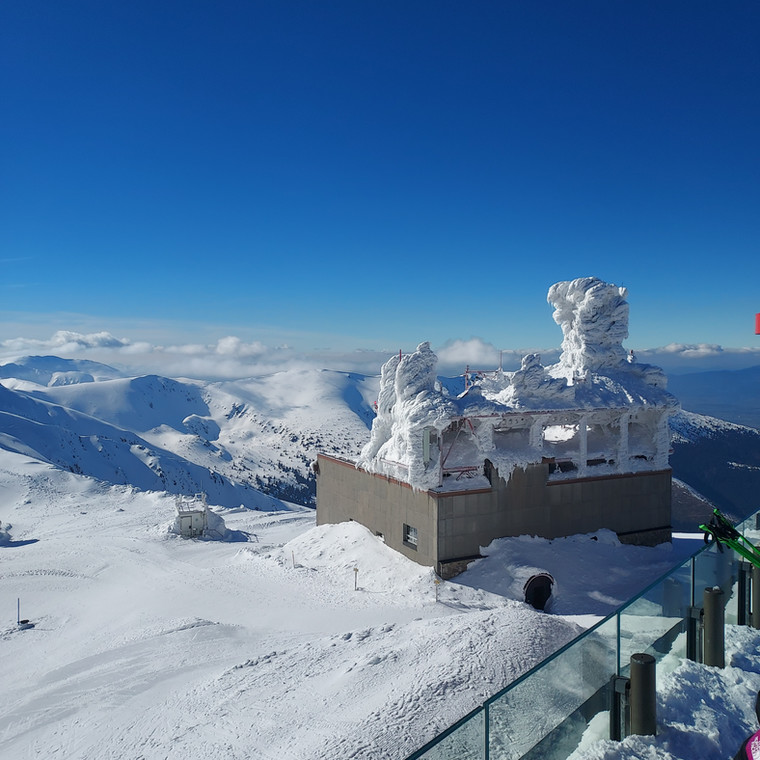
pixel 53 370
pixel 295 642
pixel 231 440
pixel 718 459
pixel 237 440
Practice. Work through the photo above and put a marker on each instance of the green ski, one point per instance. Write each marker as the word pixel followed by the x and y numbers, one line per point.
pixel 721 530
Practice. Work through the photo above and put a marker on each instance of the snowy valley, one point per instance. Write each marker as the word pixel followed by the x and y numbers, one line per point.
pixel 288 640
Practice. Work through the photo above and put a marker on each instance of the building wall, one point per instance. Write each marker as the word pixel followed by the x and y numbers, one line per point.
pixel 380 503
pixel 634 503
pixel 192 523
pixel 635 506
pixel 453 526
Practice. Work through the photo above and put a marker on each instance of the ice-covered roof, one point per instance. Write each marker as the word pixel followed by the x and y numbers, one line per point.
pixel 594 372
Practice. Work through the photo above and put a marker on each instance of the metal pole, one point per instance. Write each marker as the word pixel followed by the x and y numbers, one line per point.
pixel 692 633
pixel 487 731
pixel 755 617
pixel 715 620
pixel 742 594
pixel 643 695
pixel 619 703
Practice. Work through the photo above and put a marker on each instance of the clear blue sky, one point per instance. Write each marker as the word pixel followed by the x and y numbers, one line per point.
pixel 378 173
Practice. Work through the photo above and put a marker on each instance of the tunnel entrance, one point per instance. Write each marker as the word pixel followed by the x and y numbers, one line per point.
pixel 538 589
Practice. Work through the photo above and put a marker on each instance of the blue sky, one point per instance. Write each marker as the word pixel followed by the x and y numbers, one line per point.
pixel 373 174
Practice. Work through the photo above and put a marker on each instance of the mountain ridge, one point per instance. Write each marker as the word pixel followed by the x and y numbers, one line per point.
pixel 237 439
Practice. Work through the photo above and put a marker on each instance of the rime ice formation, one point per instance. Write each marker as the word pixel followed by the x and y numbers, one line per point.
pixel 593 316
pixel 594 412
pixel 408 408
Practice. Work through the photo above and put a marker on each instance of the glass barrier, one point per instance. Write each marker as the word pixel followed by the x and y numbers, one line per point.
pixel 465 740
pixel 568 698
pixel 654 621
pixel 557 700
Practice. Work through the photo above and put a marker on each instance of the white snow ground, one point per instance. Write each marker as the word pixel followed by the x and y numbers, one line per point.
pixel 147 645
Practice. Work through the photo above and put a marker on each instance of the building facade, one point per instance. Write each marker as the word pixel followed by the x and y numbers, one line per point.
pixel 547 451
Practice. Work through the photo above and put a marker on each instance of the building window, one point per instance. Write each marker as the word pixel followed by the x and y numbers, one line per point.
pixel 410 536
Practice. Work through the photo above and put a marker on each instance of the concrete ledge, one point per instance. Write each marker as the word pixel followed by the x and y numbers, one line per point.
pixel 650 537
pixel 449 568
pixel 612 476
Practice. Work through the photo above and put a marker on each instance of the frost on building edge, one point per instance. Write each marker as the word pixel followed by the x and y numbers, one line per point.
pixel 596 412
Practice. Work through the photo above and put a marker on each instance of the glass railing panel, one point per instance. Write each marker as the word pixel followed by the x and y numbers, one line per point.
pixel 553 705
pixel 654 623
pixel 714 568
pixel 465 741
pixel 738 607
pixel 750 526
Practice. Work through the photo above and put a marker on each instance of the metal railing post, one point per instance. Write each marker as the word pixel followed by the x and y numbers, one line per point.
pixel 486 731
pixel 755 614
pixel 714 631
pixel 643 695
pixel 693 650
pixel 742 592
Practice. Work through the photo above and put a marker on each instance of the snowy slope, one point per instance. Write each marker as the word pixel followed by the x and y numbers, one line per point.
pixel 720 460
pixel 148 645
pixel 230 438
pixel 84 444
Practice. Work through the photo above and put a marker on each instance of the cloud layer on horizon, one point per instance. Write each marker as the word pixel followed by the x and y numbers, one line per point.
pixel 230 357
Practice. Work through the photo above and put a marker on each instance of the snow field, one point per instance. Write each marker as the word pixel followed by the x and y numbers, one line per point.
pixel 148 645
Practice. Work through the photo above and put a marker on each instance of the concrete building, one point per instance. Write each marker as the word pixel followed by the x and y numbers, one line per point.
pixel 546 451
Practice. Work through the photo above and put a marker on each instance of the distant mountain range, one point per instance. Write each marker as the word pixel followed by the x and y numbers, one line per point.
pixel 250 442
pixel 732 395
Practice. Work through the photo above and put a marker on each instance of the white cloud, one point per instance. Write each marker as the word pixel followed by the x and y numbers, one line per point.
pixel 455 355
pixel 231 357
pixel 65 342
pixel 699 357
